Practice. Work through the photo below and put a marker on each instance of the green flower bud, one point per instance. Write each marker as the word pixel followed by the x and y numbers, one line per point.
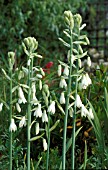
pixel 46 89
pixel 31 44
pixel 78 19
pixel 69 19
pixel 11 56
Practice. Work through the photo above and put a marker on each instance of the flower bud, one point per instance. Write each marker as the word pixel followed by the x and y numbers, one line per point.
pixel 37 128
pixel 79 63
pixel 66 71
pixel 18 107
pixel 89 61
pixel 31 44
pixel 59 70
pixel 69 19
pixel 78 19
pixel 1 106
pixel 62 98
pixel 40 85
pixel 44 144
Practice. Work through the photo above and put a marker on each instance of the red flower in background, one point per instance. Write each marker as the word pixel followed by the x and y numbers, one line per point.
pixel 47 67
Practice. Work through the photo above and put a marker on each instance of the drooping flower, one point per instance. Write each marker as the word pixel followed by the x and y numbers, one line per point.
pixel 62 98
pixel 71 112
pixel 86 81
pixel 22 122
pixel 63 83
pixel 1 106
pixel 78 101
pixel 59 70
pixel 44 116
pixel 13 126
pixel 66 71
pixel 84 111
pixel 18 107
pixel 34 92
pixel 38 111
pixel 37 128
pixel 21 96
pixel 90 114
pixel 51 108
pixel 89 61
pixel 44 144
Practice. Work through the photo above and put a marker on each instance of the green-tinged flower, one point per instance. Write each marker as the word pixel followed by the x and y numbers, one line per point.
pixel 51 108
pixel 13 126
pixel 22 122
pixel 62 98
pixel 78 101
pixel 59 70
pixel 84 111
pixel 22 99
pixel 44 144
pixel 86 81
pixel 1 106
pixel 71 111
pixel 38 111
pixel 44 116
pixel 63 83
pixel 66 71
pixel 18 107
pixel 37 128
pixel 90 114
pixel 11 56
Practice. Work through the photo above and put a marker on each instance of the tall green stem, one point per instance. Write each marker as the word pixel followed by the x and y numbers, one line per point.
pixel 47 161
pixel 29 114
pixel 66 107
pixel 10 149
pixel 74 116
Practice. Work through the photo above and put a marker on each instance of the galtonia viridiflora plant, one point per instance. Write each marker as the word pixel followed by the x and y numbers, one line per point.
pixel 73 77
pixel 31 103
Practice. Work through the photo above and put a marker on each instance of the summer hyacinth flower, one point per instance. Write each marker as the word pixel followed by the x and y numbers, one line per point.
pixel 1 106
pixel 78 101
pixel 22 122
pixel 62 98
pixel 38 111
pixel 37 128
pixel 44 144
pixel 13 126
pixel 44 116
pixel 21 96
pixel 63 83
pixel 84 111
pixel 51 108
pixel 86 81
pixel 66 71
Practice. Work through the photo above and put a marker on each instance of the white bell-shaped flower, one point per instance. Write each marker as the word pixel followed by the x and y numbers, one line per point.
pixel 22 122
pixel 21 96
pixel 18 107
pixel 88 79
pixel 44 144
pixel 90 114
pixel 63 83
pixel 62 98
pixel 78 101
pixel 59 70
pixel 13 126
pixel 38 111
pixel 1 106
pixel 84 82
pixel 37 128
pixel 44 116
pixel 84 111
pixel 89 61
pixel 66 71
pixel 51 108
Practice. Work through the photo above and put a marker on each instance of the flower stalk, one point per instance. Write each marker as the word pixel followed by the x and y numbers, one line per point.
pixel 66 106
pixel 48 147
